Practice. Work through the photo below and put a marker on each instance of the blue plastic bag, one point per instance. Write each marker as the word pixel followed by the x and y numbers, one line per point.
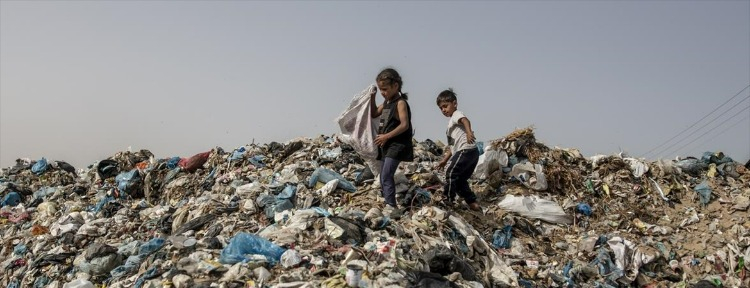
pixel 126 180
pixel 606 267
pixel 704 191
pixel 99 205
pixel 19 250
pixel 131 265
pixel 321 211
pixel 151 246
pixel 11 199
pixel 525 283
pixel 288 192
pixel 501 238
pixel 244 244
pixel 480 147
pixel 584 209
pixel 257 161
pixel 41 281
pixel 716 158
pixel 691 166
pixel 173 162
pixel 238 154
pixel 566 273
pixel 278 206
pixel 44 192
pixel 325 175
pixel 39 167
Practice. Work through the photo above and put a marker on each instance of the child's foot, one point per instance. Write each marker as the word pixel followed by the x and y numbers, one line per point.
pixel 392 212
pixel 445 203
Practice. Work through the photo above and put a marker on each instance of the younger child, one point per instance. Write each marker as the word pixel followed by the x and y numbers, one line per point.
pixel 462 156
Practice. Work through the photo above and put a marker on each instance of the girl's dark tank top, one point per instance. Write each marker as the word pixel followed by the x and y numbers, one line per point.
pixel 399 147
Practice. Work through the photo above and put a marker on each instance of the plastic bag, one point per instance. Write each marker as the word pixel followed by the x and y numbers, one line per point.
pixel 704 191
pixel 501 238
pixel 65 166
pixel 326 175
pixel 584 209
pixel 244 244
pixel 419 279
pixel 537 182
pixel 173 162
pixel 442 260
pixel 536 208
pixel 358 128
pixel 11 199
pixel 79 283
pixel 131 265
pixel 637 167
pixel 257 161
pixel 290 258
pixel 489 162
pixel 716 158
pixel 39 167
pixel 195 162
pixel 151 246
pixel 345 229
pixel 107 168
pixel 238 154
pixel 691 166
pixel 127 180
pixel 288 193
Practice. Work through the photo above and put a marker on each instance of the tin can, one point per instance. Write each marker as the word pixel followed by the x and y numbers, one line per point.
pixel 353 275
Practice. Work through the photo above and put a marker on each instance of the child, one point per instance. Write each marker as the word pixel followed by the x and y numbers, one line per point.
pixel 463 153
pixel 394 137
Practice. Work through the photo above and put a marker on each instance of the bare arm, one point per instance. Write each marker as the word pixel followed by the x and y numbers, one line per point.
pixel 446 156
pixel 469 133
pixel 377 111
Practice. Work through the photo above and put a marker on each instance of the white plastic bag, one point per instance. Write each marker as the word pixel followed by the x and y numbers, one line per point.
pixel 489 162
pixel 358 128
pixel 522 171
pixel 637 167
pixel 535 208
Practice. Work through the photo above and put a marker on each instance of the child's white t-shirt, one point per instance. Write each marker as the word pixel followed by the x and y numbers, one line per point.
pixel 457 133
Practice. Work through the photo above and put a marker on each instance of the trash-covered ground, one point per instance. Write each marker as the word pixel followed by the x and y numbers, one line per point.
pixel 307 213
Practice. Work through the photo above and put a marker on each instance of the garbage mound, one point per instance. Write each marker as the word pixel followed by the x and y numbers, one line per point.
pixel 308 213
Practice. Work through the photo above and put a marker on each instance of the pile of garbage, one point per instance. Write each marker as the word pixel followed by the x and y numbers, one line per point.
pixel 308 213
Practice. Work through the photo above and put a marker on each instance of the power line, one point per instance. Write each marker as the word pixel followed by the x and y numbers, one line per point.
pixel 691 126
pixel 699 129
pixel 725 130
pixel 704 134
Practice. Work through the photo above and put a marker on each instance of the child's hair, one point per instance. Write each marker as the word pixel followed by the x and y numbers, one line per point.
pixel 390 76
pixel 446 96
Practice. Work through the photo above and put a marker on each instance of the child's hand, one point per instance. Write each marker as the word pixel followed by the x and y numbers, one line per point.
pixel 381 139
pixel 440 166
pixel 470 137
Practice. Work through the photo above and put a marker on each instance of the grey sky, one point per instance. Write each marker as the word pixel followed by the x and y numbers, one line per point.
pixel 80 81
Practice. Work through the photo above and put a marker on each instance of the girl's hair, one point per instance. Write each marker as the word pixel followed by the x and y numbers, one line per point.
pixel 391 76
pixel 446 96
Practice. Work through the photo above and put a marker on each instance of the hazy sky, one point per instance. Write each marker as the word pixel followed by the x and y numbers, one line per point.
pixel 80 81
